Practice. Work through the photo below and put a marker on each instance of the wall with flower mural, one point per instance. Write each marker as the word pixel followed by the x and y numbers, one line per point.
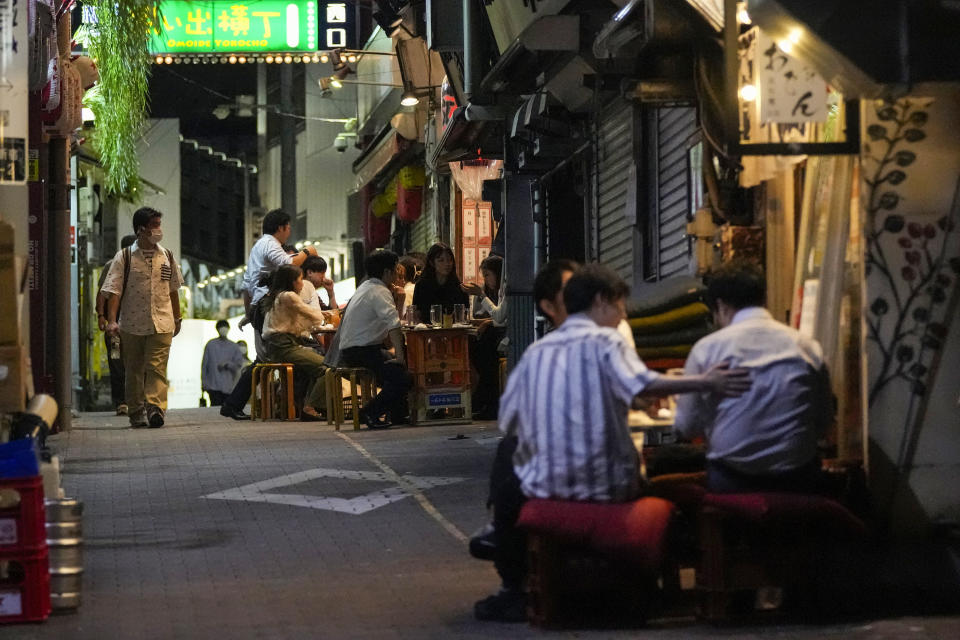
pixel 910 167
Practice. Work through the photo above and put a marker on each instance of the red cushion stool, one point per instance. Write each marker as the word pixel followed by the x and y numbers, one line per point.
pixel 591 559
pixel 754 540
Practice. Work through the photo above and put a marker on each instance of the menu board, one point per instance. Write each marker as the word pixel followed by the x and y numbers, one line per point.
pixel 469 264
pixel 484 230
pixel 469 223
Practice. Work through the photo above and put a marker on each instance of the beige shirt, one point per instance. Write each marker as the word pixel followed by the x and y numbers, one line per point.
pixel 290 314
pixel 145 307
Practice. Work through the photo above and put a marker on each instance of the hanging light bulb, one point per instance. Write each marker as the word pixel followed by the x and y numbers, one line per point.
pixel 748 93
pixel 159 60
pixel 269 59
pixel 168 60
pixel 232 59
pixel 409 100
pixel 242 59
pixel 324 58
pixel 288 58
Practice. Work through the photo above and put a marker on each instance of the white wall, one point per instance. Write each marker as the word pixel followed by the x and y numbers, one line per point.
pixel 160 164
pixel 914 419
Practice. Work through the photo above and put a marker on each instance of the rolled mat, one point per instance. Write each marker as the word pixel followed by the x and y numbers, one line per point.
pixel 684 316
pixel 660 297
pixel 671 351
pixel 687 335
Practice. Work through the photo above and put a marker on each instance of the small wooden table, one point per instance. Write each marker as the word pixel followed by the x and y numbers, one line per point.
pixel 439 361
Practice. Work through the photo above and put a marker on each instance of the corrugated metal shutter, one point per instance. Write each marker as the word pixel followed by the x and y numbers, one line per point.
pixel 423 232
pixel 616 207
pixel 675 127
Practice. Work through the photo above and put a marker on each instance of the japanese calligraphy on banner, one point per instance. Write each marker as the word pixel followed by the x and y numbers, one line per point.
pixel 14 91
pixel 239 27
pixel 789 90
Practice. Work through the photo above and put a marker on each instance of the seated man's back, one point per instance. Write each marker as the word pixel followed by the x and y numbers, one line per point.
pixel 765 439
pixel 773 427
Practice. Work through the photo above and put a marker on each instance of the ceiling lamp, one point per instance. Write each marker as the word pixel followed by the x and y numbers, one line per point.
pixel 409 99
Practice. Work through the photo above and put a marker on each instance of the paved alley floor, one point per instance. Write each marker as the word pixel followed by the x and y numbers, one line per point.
pixel 213 528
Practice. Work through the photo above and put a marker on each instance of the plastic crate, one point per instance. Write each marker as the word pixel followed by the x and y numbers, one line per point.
pixel 22 517
pixel 24 586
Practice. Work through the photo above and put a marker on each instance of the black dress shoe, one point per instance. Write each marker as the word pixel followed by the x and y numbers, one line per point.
pixel 505 606
pixel 236 414
pixel 379 422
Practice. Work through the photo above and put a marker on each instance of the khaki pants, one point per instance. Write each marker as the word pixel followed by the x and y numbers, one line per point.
pixel 145 362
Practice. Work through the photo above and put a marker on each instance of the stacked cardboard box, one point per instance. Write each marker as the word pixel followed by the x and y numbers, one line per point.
pixel 15 382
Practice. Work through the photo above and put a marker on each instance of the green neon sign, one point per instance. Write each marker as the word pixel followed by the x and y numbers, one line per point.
pixel 235 26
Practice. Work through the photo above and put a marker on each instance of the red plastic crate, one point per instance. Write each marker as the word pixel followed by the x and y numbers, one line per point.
pixel 22 524
pixel 24 586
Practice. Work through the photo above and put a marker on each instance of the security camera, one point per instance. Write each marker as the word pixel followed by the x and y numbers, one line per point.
pixel 340 144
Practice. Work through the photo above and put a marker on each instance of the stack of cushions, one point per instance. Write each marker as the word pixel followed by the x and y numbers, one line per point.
pixel 667 320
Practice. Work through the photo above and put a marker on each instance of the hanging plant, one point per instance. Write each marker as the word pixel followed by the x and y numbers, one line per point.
pixel 119 45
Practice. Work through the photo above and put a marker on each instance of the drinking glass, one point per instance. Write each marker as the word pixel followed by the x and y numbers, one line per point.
pixel 410 315
pixel 436 315
pixel 459 314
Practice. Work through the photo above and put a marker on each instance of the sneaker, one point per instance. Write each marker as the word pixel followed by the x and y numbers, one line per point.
pixel 483 543
pixel 504 606
pixel 155 417
pixel 137 422
pixel 122 409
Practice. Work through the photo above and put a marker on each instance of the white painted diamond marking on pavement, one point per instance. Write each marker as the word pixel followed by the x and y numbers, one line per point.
pixel 258 491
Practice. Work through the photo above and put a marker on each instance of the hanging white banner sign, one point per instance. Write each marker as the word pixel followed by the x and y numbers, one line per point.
pixel 13 91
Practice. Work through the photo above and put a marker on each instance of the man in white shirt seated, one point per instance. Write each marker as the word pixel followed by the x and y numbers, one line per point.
pixel 315 280
pixel 370 320
pixel 566 402
pixel 766 439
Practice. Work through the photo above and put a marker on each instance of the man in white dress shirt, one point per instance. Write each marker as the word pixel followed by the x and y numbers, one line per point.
pixel 566 402
pixel 370 320
pixel 766 439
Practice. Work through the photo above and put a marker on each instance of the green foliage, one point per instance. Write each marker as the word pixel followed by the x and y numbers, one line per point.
pixel 119 47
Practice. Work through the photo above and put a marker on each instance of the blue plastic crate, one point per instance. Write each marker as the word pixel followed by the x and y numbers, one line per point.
pixel 19 458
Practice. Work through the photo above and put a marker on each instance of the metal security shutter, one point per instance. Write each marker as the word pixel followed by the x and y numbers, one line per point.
pixel 422 232
pixel 616 177
pixel 675 128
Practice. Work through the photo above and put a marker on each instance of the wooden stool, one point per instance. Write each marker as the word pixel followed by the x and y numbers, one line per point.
pixel 593 562
pixel 362 391
pixel 751 541
pixel 270 406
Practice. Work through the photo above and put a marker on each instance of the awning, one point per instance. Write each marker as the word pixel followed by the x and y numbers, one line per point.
pixel 474 131
pixel 862 47
pixel 384 157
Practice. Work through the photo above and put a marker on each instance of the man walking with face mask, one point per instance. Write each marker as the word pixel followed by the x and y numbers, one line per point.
pixel 147 280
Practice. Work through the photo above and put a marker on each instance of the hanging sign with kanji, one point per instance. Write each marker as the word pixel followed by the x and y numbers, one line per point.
pixel 232 26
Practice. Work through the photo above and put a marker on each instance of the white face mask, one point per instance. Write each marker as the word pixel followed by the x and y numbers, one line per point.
pixel 156 235
pixel 223 331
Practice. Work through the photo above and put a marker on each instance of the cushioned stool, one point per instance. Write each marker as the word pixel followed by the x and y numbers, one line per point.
pixel 362 390
pixel 593 559
pixel 751 541
pixel 275 383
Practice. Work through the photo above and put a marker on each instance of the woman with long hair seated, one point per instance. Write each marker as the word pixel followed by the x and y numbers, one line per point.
pixel 439 283
pixel 490 308
pixel 286 316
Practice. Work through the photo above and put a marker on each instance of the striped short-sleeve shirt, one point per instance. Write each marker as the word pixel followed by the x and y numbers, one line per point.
pixel 567 402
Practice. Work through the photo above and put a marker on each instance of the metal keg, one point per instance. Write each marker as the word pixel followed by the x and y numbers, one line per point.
pixel 65 548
